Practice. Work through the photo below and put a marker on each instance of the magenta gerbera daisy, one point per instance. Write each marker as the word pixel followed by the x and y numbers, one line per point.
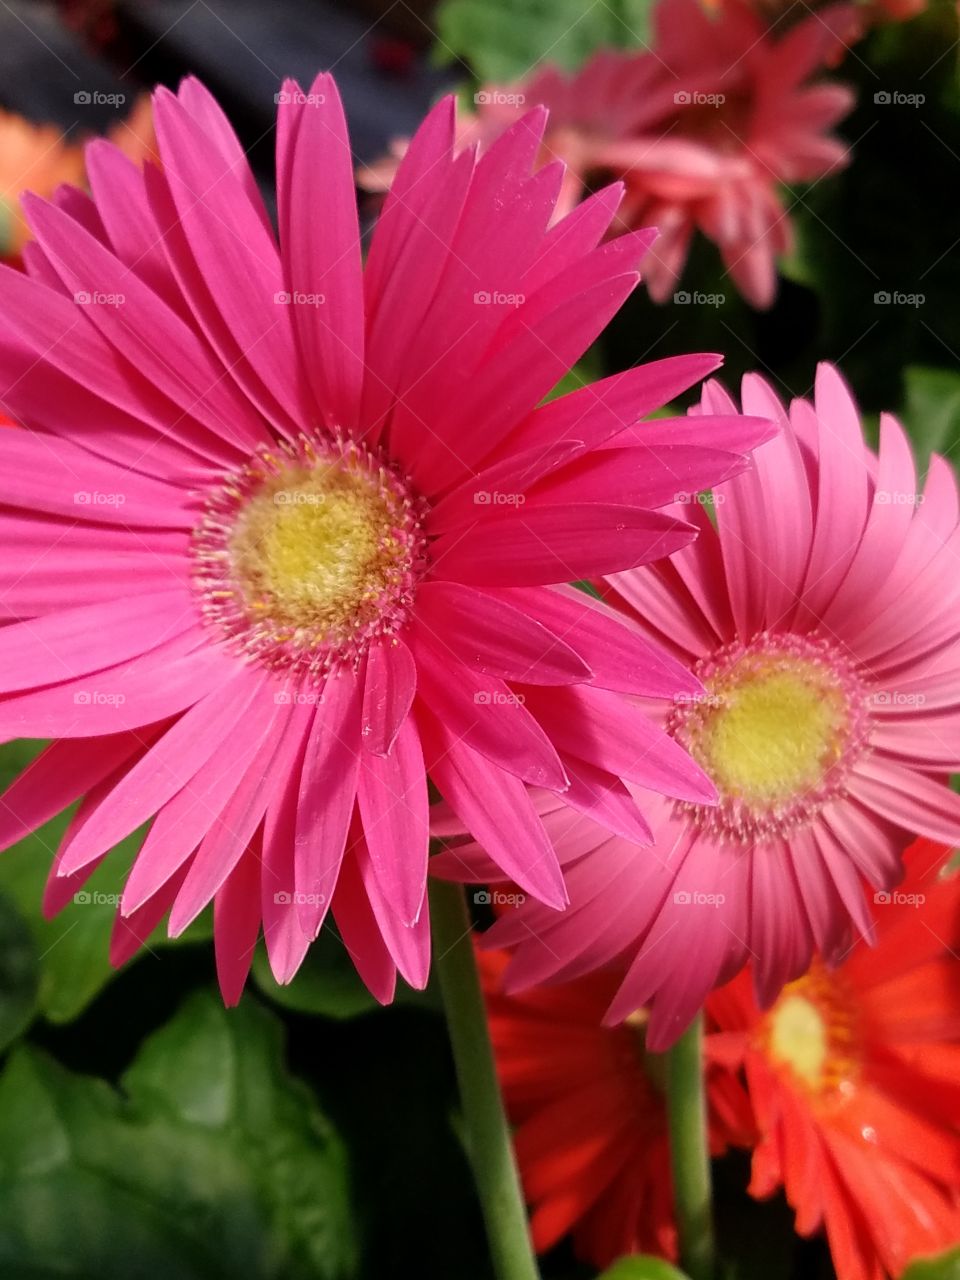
pixel 283 531
pixel 822 615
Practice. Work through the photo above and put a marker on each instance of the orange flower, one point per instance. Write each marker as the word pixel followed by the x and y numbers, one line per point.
pixel 591 1125
pixel 39 158
pixel 854 1076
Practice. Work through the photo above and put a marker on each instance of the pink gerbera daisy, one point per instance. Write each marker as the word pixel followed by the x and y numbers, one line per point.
pixel 281 534
pixel 823 617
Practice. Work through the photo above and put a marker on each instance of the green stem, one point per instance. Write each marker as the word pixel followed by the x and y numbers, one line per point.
pixel 689 1154
pixel 488 1134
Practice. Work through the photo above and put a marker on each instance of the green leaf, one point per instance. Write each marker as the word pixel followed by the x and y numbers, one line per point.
pixel 73 948
pixel 212 1162
pixel 932 411
pixel 642 1268
pixel 504 40
pixel 945 1267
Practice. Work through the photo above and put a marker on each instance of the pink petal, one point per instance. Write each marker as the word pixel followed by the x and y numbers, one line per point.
pixel 389 685
pixel 321 249
pixel 392 795
pixel 557 544
pixel 236 925
pixel 487 715
pixel 328 789
pixel 494 636
pixel 496 808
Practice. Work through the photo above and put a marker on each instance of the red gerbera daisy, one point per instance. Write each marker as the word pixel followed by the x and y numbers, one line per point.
pixel 591 1138
pixel 854 1076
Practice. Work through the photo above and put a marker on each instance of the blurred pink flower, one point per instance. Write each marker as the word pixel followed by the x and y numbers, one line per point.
pixel 704 129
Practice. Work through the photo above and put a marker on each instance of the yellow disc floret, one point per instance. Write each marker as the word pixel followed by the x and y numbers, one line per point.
pixel 309 552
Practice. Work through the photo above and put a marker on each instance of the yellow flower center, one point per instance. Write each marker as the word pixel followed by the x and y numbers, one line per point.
pixel 779 724
pixel 308 553
pixel 317 548
pixel 798 1037
pixel 812 1033
pixel 777 728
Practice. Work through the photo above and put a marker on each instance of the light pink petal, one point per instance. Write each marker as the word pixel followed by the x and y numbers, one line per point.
pixel 842 498
pixel 909 799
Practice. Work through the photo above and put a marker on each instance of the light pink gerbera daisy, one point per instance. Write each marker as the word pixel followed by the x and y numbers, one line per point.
pixel 281 534
pixel 823 618
pixel 613 97
pixel 703 129
pixel 746 120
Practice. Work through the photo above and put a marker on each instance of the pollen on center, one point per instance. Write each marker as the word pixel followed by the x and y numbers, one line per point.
pixel 308 553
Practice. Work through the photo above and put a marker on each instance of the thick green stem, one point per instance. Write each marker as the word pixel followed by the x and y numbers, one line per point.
pixel 488 1134
pixel 689 1152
